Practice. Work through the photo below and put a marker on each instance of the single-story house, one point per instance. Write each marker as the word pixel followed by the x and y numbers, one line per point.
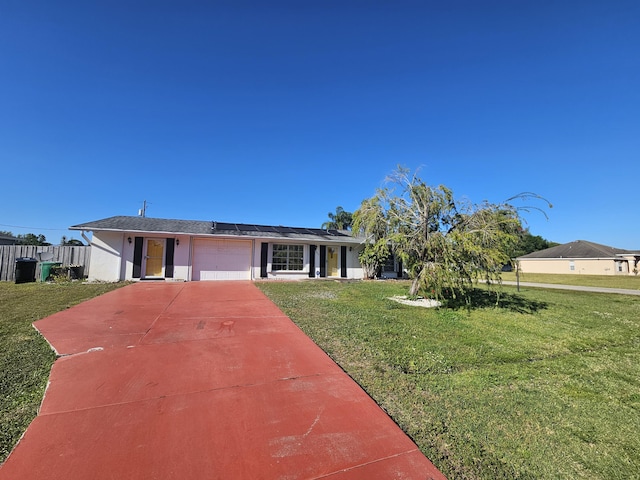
pixel 8 239
pixel 581 257
pixel 132 248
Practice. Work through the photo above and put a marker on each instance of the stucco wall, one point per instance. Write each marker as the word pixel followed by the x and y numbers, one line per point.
pixel 580 266
pixel 182 258
pixel 109 265
pixel 105 256
pixel 354 269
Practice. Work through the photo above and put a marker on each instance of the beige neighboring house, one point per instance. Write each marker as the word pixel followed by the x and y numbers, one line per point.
pixel 581 257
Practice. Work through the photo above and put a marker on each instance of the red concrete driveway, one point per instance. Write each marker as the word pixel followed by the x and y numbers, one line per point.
pixel 201 380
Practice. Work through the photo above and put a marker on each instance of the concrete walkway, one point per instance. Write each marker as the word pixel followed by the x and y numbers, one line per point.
pixel 202 380
pixel 578 288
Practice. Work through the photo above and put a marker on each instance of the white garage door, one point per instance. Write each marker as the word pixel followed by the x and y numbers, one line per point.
pixel 221 259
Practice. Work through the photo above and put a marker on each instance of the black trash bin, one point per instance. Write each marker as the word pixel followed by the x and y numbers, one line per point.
pixel 76 272
pixel 25 269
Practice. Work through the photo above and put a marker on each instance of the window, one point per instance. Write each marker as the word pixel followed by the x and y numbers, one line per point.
pixel 572 265
pixel 389 264
pixel 287 257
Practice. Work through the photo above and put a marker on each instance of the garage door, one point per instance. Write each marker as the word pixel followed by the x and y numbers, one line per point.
pixel 221 259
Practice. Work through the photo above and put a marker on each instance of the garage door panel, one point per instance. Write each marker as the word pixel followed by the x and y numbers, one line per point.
pixel 221 259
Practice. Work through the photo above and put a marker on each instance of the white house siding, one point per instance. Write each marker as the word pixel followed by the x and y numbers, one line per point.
pixel 198 258
pixel 354 269
pixel 181 258
pixel 112 266
pixel 280 275
pixel 106 256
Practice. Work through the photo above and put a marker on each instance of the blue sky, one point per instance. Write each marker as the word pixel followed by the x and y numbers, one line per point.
pixel 277 112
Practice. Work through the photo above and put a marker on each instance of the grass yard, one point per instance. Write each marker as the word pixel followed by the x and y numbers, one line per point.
pixel 25 356
pixel 545 386
pixel 631 282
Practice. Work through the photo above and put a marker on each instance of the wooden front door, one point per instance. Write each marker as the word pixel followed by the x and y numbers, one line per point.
pixel 155 253
pixel 332 262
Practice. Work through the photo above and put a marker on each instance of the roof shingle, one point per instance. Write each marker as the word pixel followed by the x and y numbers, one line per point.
pixel 199 227
pixel 577 249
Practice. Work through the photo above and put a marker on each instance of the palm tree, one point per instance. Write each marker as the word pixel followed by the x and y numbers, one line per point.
pixel 341 220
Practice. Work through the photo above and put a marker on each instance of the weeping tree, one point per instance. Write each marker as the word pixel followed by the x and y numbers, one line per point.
pixel 370 220
pixel 444 244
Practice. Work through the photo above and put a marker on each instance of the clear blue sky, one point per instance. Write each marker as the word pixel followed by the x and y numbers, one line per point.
pixel 276 112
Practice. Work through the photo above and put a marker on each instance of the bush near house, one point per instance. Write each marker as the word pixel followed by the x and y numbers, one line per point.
pixel 543 386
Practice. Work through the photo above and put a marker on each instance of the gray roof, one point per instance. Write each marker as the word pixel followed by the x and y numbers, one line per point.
pixel 578 249
pixel 213 228
pixel 8 239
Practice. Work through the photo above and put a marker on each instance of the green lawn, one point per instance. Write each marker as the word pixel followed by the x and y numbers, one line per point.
pixel 546 386
pixel 25 357
pixel 631 282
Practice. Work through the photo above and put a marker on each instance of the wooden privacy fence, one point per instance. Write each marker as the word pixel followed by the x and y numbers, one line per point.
pixel 68 255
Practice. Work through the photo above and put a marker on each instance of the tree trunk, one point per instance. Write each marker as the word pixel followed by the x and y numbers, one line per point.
pixel 415 287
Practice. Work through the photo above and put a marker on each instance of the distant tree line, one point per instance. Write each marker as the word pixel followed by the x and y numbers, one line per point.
pixel 41 240
pixel 528 243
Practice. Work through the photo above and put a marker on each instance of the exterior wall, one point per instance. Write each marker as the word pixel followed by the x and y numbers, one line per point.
pixel 112 258
pixel 354 269
pixel 281 275
pixel 633 262
pixel 106 257
pixel 181 255
pixel 182 258
pixel 604 266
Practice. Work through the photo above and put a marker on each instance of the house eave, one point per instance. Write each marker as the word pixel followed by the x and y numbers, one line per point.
pixel 288 237
pixel 566 258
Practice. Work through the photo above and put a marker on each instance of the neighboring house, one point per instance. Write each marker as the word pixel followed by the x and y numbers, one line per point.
pixel 8 239
pixel 581 257
pixel 130 248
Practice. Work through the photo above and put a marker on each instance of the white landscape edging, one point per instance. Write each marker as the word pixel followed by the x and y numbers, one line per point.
pixel 419 302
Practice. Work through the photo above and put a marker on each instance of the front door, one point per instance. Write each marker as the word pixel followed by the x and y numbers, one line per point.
pixel 332 262
pixel 155 253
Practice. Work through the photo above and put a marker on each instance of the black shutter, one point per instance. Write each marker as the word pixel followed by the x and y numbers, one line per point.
pixel 312 261
pixel 343 261
pixel 323 261
pixel 264 251
pixel 137 258
pixel 168 259
pixel 399 268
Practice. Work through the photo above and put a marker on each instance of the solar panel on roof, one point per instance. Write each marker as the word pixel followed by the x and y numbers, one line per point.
pixel 246 228
pixel 224 226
